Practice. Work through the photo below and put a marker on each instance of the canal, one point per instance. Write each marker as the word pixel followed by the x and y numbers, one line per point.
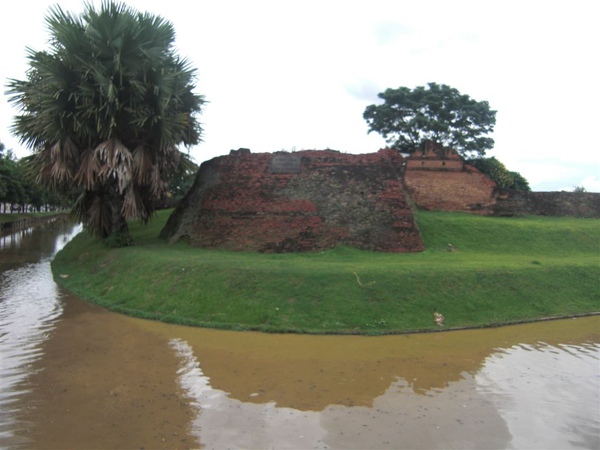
pixel 73 375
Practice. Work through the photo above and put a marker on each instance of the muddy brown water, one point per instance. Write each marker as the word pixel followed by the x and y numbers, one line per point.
pixel 74 376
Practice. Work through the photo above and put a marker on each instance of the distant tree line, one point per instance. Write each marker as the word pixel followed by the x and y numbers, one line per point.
pixel 20 192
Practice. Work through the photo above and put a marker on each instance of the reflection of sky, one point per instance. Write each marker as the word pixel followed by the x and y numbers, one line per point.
pixel 524 397
pixel 549 396
pixel 62 240
pixel 13 240
pixel 399 416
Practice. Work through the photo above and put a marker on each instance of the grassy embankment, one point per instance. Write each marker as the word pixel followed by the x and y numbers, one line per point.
pixel 498 271
pixel 15 217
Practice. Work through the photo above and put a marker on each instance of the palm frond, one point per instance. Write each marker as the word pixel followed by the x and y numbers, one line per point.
pixel 99 216
pixel 132 204
pixel 63 159
pixel 110 81
pixel 87 173
pixel 115 162
pixel 142 165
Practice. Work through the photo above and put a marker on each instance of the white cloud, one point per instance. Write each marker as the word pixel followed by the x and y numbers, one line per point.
pixel 591 183
pixel 364 90
pixel 281 74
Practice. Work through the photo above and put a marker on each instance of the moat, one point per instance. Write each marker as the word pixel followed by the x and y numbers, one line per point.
pixel 74 375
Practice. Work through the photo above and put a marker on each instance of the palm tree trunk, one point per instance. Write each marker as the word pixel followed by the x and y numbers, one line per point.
pixel 120 236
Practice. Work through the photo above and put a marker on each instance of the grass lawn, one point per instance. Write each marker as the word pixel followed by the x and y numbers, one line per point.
pixel 476 271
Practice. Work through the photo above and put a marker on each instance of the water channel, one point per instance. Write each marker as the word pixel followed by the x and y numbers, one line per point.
pixel 73 375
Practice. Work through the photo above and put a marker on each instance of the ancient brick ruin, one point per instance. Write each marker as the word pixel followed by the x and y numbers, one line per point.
pixel 301 201
pixel 437 178
pixel 314 200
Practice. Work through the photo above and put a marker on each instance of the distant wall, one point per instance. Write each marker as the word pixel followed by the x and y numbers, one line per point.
pixel 566 204
pixel 437 178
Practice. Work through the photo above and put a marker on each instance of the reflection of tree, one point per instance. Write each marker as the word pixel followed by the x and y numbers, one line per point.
pixel 312 372
pixel 31 244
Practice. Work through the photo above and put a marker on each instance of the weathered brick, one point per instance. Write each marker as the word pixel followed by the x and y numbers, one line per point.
pixel 247 201
pixel 437 178
pixel 313 200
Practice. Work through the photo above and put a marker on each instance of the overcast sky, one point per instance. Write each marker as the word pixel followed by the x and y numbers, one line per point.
pixel 293 75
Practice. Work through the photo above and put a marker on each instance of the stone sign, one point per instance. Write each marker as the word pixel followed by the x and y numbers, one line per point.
pixel 285 163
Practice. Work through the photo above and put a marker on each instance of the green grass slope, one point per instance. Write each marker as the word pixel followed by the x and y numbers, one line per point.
pixel 476 271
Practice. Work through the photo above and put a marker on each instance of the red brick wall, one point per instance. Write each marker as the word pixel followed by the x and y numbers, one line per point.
pixel 438 179
pixel 314 200
pixel 450 190
pixel 239 203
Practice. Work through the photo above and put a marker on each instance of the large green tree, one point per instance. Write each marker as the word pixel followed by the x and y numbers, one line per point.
pixel 105 111
pixel 436 112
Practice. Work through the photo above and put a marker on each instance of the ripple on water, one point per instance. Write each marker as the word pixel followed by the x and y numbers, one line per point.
pixel 29 307
pixel 528 394
pixel 548 395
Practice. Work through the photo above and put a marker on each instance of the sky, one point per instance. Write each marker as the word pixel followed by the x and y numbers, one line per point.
pixel 296 75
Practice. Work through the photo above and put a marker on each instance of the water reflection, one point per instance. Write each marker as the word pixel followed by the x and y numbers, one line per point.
pixel 529 386
pixel 398 418
pixel 29 307
pixel 14 239
pixel 33 244
pixel 546 394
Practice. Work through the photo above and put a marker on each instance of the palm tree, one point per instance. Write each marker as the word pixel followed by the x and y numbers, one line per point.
pixel 105 111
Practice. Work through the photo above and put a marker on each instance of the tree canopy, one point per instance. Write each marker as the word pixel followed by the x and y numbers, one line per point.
pixel 499 174
pixel 13 188
pixel 105 110
pixel 435 112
